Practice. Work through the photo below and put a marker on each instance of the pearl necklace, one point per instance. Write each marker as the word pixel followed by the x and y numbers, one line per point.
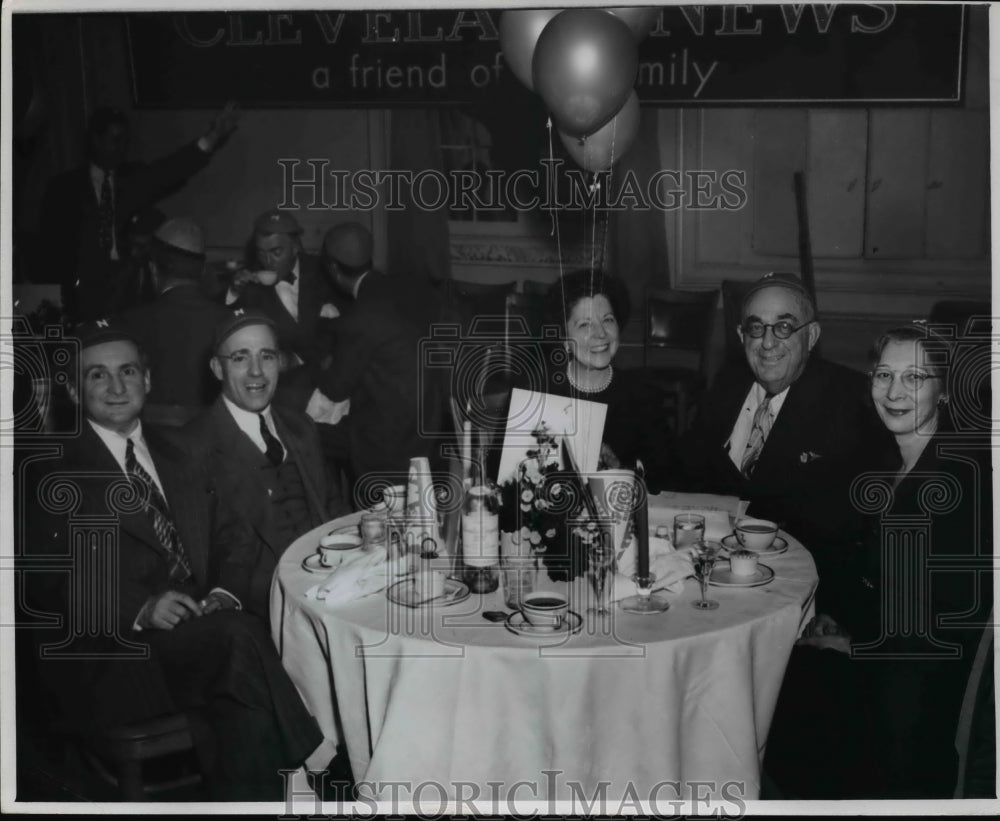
pixel 597 389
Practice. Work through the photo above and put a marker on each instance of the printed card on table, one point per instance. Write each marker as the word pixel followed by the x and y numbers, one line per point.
pixel 581 421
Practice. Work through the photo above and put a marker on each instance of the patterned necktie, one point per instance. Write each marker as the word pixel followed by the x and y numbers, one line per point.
pixel 159 513
pixel 758 436
pixel 275 452
pixel 106 216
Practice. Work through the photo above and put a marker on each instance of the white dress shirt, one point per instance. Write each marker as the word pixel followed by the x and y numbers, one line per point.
pixel 249 423
pixel 97 180
pixel 744 422
pixel 288 293
pixel 118 444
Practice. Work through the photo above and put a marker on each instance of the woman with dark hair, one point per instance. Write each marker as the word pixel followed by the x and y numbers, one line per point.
pixel 591 308
pixel 870 703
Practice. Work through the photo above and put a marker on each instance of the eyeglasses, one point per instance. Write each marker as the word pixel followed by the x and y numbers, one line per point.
pixel 912 380
pixel 755 329
pixel 241 359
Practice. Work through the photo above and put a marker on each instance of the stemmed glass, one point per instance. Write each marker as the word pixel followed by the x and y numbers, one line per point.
pixel 600 564
pixel 704 562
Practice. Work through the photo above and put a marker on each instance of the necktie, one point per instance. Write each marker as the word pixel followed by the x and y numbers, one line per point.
pixel 289 278
pixel 275 452
pixel 159 513
pixel 758 436
pixel 106 216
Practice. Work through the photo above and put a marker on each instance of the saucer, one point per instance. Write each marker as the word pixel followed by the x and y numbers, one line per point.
pixel 404 592
pixel 519 627
pixel 776 547
pixel 724 577
pixel 313 564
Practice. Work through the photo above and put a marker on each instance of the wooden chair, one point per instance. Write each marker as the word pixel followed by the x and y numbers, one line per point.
pixel 681 323
pixel 975 739
pixel 128 747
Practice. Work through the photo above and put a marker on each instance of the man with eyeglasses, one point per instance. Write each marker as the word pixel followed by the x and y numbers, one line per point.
pixel 265 458
pixel 784 434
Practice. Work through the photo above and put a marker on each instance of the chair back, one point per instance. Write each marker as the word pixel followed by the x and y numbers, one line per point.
pixel 977 714
pixel 680 321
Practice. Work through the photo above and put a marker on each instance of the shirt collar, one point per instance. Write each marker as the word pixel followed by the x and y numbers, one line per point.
pixel 244 418
pixel 776 401
pixel 116 442
pixel 97 174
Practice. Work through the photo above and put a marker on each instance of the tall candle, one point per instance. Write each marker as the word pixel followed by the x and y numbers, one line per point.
pixel 642 528
pixel 466 449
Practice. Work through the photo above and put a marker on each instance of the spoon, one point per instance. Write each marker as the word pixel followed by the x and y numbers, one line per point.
pixel 495 615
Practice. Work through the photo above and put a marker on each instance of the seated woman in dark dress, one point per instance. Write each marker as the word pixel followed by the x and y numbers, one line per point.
pixel 592 308
pixel 870 702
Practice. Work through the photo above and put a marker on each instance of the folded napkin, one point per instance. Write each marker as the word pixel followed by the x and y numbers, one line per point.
pixel 359 575
pixel 670 566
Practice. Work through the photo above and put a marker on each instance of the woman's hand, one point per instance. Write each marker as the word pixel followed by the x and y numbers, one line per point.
pixel 608 460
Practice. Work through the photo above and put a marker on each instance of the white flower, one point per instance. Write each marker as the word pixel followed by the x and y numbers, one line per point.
pixel 535 538
pixel 550 533
pixel 527 495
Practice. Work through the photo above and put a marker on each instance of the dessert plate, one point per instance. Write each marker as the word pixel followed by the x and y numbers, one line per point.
pixel 313 564
pixel 517 625
pixel 405 592
pixel 352 529
pixel 724 577
pixel 776 547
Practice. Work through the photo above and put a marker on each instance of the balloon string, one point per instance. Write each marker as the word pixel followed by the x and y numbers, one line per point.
pixel 611 171
pixel 555 219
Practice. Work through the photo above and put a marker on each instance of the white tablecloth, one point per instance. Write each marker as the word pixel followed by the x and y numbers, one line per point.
pixel 445 696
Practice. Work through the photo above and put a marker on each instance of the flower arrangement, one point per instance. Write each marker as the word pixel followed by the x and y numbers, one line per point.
pixel 537 501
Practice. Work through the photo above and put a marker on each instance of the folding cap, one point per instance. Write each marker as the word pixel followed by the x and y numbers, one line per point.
pixel 236 320
pixel 780 279
pixel 276 222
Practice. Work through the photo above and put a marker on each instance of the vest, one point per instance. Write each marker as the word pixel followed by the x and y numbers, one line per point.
pixel 287 493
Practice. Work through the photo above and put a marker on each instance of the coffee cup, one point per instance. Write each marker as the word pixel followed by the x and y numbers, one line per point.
pixel 756 534
pixel 333 546
pixel 395 501
pixel 545 609
pixel 428 584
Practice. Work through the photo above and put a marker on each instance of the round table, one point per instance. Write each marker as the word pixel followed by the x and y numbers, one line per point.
pixel 441 702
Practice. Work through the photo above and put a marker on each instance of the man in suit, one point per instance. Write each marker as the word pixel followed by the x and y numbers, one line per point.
pixel 176 331
pixel 291 289
pixel 88 207
pixel 265 459
pixel 151 627
pixel 375 364
pixel 787 433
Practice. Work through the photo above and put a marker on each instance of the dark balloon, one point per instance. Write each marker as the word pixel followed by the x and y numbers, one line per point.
pixel 584 68
pixel 609 143
pixel 519 32
pixel 641 19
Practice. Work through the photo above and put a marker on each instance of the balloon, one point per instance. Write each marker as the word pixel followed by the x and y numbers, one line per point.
pixel 584 68
pixel 641 19
pixel 609 143
pixel 519 32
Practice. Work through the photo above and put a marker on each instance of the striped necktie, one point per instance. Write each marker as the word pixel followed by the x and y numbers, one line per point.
pixel 758 436
pixel 159 513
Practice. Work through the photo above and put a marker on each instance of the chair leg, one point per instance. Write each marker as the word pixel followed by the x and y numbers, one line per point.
pixel 130 781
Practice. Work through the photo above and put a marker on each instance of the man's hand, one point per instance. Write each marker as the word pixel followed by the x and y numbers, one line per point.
pixel 823 632
pixel 217 600
pixel 222 126
pixel 167 610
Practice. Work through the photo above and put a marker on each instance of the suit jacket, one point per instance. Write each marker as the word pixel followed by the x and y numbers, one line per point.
pixel 176 331
pixel 234 462
pixel 309 337
pixel 90 691
pixel 811 455
pixel 70 210
pixel 376 364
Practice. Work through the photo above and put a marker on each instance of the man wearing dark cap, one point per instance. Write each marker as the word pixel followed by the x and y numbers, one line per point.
pixel 88 207
pixel 292 290
pixel 133 283
pixel 148 627
pixel 786 433
pixel 265 459
pixel 176 330
pixel 375 364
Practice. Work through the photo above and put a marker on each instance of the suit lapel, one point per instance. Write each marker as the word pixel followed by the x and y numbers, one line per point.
pixel 306 463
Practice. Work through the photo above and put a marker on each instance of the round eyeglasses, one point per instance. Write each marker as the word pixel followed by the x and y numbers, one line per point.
pixel 911 380
pixel 755 329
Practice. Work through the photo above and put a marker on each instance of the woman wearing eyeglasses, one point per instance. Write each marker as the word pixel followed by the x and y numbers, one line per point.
pixel 870 703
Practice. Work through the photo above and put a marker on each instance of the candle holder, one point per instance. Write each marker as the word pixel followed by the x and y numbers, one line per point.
pixel 644 602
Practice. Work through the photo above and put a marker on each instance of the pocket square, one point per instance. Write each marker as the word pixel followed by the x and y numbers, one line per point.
pixel 328 311
pixel 808 456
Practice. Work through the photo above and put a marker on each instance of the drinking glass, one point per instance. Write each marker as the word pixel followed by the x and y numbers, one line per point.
pixel 689 528
pixel 600 564
pixel 704 562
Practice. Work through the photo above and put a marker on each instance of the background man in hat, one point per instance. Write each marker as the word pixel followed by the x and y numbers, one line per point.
pixel 375 364
pixel 89 206
pixel 785 433
pixel 166 639
pixel 176 331
pixel 265 459
pixel 133 283
pixel 293 291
